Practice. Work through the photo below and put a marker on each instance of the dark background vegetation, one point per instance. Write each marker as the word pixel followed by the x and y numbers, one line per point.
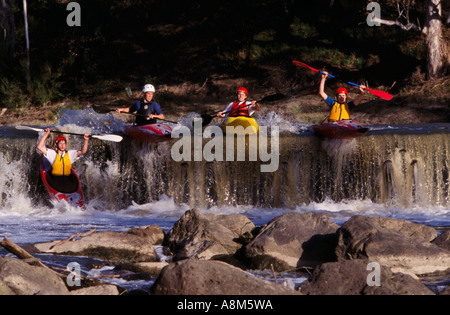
pixel 173 42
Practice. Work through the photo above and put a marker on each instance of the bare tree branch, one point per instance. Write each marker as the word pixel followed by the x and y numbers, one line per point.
pixel 407 27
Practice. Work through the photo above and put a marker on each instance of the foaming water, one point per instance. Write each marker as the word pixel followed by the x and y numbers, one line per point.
pixel 60 220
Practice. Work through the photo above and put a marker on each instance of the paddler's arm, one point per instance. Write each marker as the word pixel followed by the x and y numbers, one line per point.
pixel 41 145
pixel 85 146
pixel 322 86
pixel 156 109
pixel 161 116
pixel 221 114
pixel 123 110
pixel 361 96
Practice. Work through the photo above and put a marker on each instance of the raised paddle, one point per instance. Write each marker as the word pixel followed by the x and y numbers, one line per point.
pixel 114 138
pixel 379 93
pixel 269 98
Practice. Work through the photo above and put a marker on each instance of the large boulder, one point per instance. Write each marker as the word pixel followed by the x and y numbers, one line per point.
pixel 134 245
pixel 18 277
pixel 350 277
pixel 294 240
pixel 207 236
pixel 206 277
pixel 401 245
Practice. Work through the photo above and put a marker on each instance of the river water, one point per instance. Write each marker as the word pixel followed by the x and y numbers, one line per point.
pixel 398 171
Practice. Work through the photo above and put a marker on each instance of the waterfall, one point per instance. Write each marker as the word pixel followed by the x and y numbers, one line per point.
pixel 396 168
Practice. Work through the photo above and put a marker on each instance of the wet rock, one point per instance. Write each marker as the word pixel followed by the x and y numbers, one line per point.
pixel 401 245
pixel 18 277
pixel 103 289
pixel 4 289
pixel 294 240
pixel 117 247
pixel 443 240
pixel 351 278
pixel 152 268
pixel 152 233
pixel 207 236
pixel 446 291
pixel 201 277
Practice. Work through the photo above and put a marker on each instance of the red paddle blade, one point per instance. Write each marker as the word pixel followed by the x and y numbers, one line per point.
pixel 379 93
pixel 304 65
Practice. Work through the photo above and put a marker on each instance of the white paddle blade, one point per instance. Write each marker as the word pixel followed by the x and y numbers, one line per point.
pixel 114 138
pixel 20 127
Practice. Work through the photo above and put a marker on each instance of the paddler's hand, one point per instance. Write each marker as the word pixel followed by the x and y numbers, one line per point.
pixel 220 114
pixel 362 88
pixel 255 105
pixel 86 136
pixel 118 110
pixel 151 116
pixel 324 75
pixel 46 132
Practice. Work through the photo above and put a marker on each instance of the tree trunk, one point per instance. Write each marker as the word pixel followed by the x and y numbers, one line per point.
pixel 7 23
pixel 27 41
pixel 435 44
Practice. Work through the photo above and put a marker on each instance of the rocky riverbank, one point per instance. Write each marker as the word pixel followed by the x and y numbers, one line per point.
pixel 211 253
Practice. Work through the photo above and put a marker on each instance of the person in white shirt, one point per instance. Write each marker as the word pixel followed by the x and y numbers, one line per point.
pixel 59 161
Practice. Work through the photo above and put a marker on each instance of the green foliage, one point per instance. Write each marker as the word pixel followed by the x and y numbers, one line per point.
pixel 303 30
pixel 13 95
pixel 46 87
pixel 173 41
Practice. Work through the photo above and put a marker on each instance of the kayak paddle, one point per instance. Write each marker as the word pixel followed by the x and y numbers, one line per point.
pixel 269 98
pixel 379 93
pixel 139 115
pixel 99 110
pixel 114 138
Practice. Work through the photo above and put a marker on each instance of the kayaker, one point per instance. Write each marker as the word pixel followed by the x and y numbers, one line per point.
pixel 339 107
pixel 240 107
pixel 59 161
pixel 147 110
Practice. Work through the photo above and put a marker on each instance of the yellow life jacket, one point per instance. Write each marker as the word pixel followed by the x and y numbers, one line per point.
pixel 62 165
pixel 339 112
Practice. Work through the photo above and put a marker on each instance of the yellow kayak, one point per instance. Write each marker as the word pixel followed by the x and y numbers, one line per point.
pixel 242 125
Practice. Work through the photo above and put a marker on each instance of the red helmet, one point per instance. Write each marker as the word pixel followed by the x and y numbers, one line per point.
pixel 242 89
pixel 341 90
pixel 59 138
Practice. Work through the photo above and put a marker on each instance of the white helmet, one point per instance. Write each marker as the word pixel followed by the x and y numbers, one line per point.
pixel 148 88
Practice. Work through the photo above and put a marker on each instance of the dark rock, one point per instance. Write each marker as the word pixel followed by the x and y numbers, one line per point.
pixel 201 277
pixel 401 245
pixel 351 278
pixel 443 240
pixel 207 236
pixel 294 240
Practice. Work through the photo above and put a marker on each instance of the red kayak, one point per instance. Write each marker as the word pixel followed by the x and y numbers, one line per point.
pixel 68 189
pixel 343 129
pixel 149 133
